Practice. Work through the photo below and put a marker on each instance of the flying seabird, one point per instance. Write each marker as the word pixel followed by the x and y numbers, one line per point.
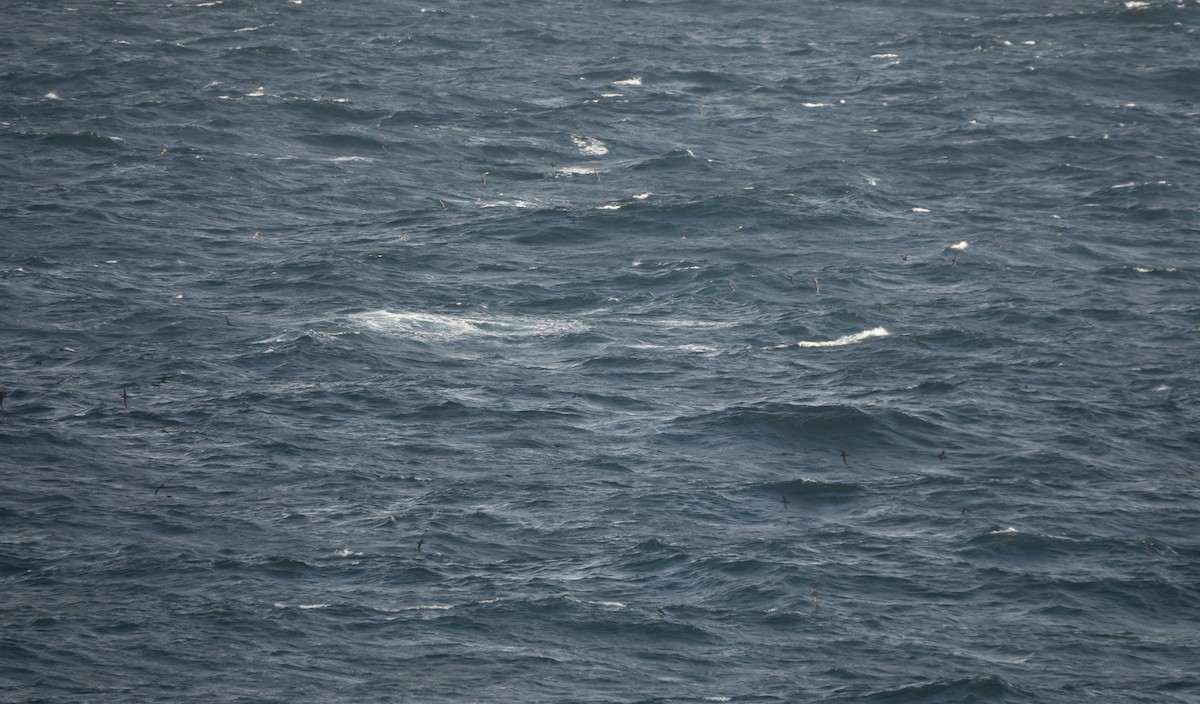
pixel 785 503
pixel 817 285
pixel 420 543
pixel 844 459
pixel 125 396
pixel 160 488
pixel 942 455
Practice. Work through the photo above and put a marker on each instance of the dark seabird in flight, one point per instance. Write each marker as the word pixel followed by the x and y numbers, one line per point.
pixel 965 510
pixel 125 396
pixel 420 543
pixel 844 459
pixel 227 321
pixel 815 594
pixel 160 488
pixel 785 503
pixel 817 285
pixel 942 455
pixel 954 261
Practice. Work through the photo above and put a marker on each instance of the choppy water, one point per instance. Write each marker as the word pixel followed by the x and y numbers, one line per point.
pixel 380 352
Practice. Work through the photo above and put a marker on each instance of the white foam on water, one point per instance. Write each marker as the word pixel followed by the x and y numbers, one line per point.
pixel 635 81
pixel 438 327
pixel 960 246
pixel 846 339
pixel 590 145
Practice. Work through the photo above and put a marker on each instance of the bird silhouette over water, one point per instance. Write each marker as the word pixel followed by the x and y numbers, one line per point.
pixel 942 455
pixel 125 396
pixel 815 594
pixel 420 543
pixel 844 459
pixel 965 510
pixel 160 488
pixel 785 503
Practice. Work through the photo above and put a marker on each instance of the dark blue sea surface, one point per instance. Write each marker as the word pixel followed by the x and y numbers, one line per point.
pixel 616 351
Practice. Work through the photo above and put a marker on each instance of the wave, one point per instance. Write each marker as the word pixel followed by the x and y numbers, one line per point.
pixel 846 339
pixel 441 327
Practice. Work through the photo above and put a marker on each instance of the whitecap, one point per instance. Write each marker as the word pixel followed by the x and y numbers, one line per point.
pixel 960 246
pixel 847 339
pixel 635 81
pixel 256 94
pixel 576 170
pixel 920 210
pixel 439 327
pixel 817 105
pixel 51 96
pixel 590 145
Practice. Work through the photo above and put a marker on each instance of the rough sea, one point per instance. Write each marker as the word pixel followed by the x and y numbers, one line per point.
pixel 614 351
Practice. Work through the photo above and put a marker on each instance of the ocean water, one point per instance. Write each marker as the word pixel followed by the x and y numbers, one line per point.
pixel 616 351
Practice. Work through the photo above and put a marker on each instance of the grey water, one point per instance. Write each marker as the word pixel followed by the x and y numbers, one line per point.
pixel 623 351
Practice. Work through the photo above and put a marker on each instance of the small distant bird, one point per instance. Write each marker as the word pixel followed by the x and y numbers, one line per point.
pixel 485 175
pixel 815 594
pixel 785 503
pixel 442 203
pixel 160 488
pixel 880 307
pixel 857 78
pixel 163 152
pixel 732 288
pixel 817 285
pixel 942 455
pixel 844 459
pixel 792 279
pixel 904 258
pixel 867 148
pixel 509 476
pixel 597 172
pixel 420 543
pixel 125 396
pixel 954 261
pixel 660 611
pixel 227 321
pixel 965 510
pixel 701 111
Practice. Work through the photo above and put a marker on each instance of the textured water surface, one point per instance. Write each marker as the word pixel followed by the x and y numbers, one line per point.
pixel 600 352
